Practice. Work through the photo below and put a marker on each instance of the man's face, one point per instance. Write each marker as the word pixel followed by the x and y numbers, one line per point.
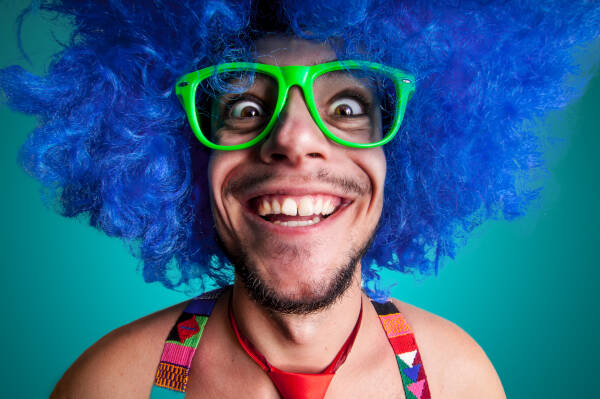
pixel 304 262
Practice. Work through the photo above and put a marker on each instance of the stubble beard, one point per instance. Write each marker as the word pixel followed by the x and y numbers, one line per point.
pixel 311 296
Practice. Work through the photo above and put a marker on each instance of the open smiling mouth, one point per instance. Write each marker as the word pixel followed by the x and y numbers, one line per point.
pixel 297 211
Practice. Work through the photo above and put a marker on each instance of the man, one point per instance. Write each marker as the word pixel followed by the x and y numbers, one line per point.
pixel 296 307
pixel 293 309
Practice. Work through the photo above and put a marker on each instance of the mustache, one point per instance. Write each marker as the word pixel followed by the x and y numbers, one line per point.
pixel 345 184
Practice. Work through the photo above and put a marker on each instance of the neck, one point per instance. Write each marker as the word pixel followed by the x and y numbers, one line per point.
pixel 298 343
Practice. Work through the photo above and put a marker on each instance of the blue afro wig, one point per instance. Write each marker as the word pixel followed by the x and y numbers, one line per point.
pixel 113 142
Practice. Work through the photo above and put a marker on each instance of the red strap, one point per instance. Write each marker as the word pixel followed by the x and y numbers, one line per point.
pixel 297 385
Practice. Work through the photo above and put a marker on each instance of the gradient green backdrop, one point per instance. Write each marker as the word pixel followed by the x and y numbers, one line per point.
pixel 527 291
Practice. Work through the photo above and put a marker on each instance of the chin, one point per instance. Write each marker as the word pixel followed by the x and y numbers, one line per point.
pixel 299 289
pixel 299 280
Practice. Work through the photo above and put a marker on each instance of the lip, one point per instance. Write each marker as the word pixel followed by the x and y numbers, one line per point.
pixel 314 190
pixel 278 229
pixel 248 200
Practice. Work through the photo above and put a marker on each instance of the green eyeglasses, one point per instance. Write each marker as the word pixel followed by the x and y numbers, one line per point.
pixel 233 106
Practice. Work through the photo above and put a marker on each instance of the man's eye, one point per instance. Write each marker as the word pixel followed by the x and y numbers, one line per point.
pixel 346 107
pixel 245 109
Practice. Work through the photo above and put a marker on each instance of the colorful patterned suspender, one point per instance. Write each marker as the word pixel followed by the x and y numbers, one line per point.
pixel 408 357
pixel 174 367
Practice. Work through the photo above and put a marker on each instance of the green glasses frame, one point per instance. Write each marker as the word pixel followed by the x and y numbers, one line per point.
pixel 287 77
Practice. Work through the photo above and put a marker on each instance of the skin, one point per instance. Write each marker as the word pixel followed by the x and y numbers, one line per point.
pixel 296 263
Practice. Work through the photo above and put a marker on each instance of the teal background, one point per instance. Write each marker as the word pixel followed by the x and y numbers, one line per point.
pixel 527 291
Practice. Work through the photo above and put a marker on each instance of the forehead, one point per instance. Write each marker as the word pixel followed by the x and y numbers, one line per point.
pixel 283 51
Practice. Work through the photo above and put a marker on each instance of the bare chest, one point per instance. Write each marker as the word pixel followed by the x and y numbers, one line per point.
pixel 229 375
pixel 260 387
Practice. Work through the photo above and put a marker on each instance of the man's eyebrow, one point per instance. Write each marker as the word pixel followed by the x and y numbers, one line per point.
pixel 323 61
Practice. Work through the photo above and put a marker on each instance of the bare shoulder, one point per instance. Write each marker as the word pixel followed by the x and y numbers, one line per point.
pixel 122 363
pixel 456 365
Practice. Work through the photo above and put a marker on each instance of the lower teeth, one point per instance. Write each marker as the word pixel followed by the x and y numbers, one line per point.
pixel 298 223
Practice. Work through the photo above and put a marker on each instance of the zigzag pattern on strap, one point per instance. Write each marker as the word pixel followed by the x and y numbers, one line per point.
pixel 403 342
pixel 174 367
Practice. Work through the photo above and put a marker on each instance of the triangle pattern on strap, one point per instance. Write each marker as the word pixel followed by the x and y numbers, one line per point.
pixel 403 343
pixel 178 351
pixel 413 372
pixel 417 388
pixel 408 357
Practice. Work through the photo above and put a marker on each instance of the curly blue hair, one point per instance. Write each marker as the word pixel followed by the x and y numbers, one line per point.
pixel 113 142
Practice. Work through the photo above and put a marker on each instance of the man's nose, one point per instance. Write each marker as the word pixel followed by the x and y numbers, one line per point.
pixel 295 138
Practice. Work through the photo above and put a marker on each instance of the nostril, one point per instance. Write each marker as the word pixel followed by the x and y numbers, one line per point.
pixel 278 157
pixel 314 155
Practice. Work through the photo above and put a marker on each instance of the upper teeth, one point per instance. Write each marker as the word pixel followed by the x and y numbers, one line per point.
pixel 305 206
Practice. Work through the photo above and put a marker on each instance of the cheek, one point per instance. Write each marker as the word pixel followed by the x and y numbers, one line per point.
pixel 221 165
pixel 373 164
pixel 380 166
pixel 378 181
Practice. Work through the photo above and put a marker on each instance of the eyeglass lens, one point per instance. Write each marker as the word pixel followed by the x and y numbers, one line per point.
pixel 355 105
